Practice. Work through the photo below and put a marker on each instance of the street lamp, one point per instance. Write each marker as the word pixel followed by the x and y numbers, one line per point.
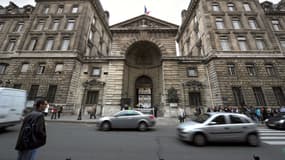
pixel 85 85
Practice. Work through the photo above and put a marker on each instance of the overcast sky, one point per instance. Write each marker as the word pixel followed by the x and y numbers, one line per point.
pixel 121 10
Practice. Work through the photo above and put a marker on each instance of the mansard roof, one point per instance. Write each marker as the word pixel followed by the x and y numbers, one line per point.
pixel 144 22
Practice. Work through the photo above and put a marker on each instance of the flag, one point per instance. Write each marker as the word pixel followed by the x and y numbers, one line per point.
pixel 146 11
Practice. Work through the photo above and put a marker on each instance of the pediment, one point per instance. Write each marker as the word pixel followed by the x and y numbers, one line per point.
pixel 144 21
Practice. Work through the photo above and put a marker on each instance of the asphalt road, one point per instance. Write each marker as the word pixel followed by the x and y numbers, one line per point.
pixel 85 142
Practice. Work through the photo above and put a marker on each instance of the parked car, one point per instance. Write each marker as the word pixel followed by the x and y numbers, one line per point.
pixel 127 119
pixel 276 122
pixel 219 127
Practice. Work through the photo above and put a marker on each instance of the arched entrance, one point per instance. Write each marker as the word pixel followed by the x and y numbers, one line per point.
pixel 143 92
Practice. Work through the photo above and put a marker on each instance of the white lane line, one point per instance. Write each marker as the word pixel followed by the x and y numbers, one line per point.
pixel 272 137
pixel 274 142
pixel 271 134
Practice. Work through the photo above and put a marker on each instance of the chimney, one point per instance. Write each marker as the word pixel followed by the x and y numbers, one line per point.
pixel 183 15
pixel 107 16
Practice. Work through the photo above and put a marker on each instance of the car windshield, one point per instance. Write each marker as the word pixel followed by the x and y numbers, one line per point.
pixel 201 118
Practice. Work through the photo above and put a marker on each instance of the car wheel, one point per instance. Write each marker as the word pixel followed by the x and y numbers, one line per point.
pixel 142 126
pixel 106 126
pixel 199 139
pixel 253 140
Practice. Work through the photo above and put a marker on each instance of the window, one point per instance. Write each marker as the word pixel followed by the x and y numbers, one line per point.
pixel 65 44
pixel 242 43
pixel 235 119
pixel 260 43
pixel 55 24
pixel 3 68
pixel 94 21
pixel 259 96
pixel 195 99
pixel 238 96
pixel 11 45
pixel 49 44
pixel 51 93
pixel 60 9
pixel 246 7
pixel 282 42
pixel 92 97
pixel 231 69
pixel 33 92
pixel 33 44
pixel 17 86
pixel 224 43
pixel 96 72
pixel 59 68
pixel 276 25
pixel 220 23
pixel 74 9
pixel 46 10
pixel 252 23
pixel 215 6
pixel 40 25
pixel 236 23
pixel 41 68
pixel 279 95
pixel 1 26
pixel 220 120
pixel 250 69
pixel 88 50
pixel 91 34
pixel 19 27
pixel 70 24
pixel 231 7
pixel 24 68
pixel 270 70
pixel 192 72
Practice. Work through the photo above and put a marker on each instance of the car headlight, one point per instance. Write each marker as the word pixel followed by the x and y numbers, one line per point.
pixel 266 120
pixel 281 121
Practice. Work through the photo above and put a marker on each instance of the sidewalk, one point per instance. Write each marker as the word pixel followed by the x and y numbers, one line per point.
pixel 85 119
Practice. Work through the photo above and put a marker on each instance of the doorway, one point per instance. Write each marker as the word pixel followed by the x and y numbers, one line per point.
pixel 143 87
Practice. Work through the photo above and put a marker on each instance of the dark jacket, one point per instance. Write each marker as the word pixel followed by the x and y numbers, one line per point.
pixel 33 132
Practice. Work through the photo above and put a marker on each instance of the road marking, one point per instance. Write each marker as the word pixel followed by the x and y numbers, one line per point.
pixel 272 137
pixel 274 142
pixel 272 134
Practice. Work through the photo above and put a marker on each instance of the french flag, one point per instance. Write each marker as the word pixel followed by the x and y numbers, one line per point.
pixel 146 11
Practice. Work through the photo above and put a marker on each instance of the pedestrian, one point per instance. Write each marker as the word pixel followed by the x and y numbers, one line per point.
pixel 32 134
pixel 93 112
pixel 53 112
pixel 181 114
pixel 46 110
pixel 60 109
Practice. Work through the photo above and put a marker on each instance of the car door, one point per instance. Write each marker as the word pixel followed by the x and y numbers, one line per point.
pixel 119 120
pixel 237 128
pixel 133 120
pixel 218 129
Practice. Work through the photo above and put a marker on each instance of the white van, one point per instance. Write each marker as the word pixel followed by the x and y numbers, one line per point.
pixel 12 104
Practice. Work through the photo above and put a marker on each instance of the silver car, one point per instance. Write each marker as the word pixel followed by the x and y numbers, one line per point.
pixel 219 127
pixel 127 119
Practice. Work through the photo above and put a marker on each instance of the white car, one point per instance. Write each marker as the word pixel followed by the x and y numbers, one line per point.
pixel 219 127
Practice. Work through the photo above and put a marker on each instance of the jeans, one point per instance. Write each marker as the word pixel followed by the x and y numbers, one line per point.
pixel 27 154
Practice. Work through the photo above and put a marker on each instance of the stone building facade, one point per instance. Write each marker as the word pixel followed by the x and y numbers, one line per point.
pixel 231 53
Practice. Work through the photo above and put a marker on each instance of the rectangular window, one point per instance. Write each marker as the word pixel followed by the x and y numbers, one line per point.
pixel 33 44
pixel 270 70
pixel 92 97
pixel 19 27
pixel 96 72
pixel 33 92
pixel 24 68
pixel 11 45
pixel 276 25
pixel 279 95
pixel 260 43
pixel 74 9
pixel 195 99
pixel 41 68
pixel 215 6
pixel 51 93
pixel 65 44
pixel 1 26
pixel 259 96
pixel 251 69
pixel 236 23
pixel 224 43
pixel 220 23
pixel 49 44
pixel 252 23
pixel 242 43
pixel 91 34
pixel 246 7
pixel 46 10
pixel 282 42
pixel 238 96
pixel 3 68
pixel 60 9
pixel 59 68
pixel 231 69
pixel 192 72
pixel 40 25
pixel 70 24
pixel 231 7
pixel 55 24
pixel 88 50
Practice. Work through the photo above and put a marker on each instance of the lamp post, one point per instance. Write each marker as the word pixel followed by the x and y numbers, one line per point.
pixel 85 85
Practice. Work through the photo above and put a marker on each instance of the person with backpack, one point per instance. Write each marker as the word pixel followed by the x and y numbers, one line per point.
pixel 32 134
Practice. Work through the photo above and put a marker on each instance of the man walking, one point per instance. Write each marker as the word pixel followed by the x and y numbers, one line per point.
pixel 33 133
